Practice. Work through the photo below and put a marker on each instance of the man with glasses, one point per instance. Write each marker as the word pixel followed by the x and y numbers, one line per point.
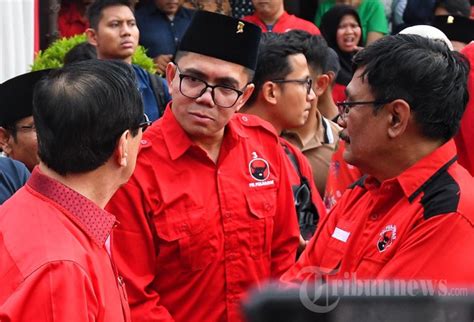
pixel 208 213
pixel 55 236
pixel 17 128
pixel 283 97
pixel 411 216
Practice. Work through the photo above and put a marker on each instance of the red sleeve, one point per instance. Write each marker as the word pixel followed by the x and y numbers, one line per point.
pixel 286 230
pixel 438 242
pixel 133 248
pixel 58 291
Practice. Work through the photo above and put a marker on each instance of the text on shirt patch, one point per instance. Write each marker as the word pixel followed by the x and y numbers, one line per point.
pixel 387 236
pixel 259 170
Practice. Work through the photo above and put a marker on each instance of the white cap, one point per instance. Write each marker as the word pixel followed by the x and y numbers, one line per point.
pixel 428 32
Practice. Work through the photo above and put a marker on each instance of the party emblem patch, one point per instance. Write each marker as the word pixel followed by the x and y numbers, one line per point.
pixel 387 236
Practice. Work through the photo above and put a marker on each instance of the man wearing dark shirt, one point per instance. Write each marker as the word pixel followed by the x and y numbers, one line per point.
pixel 162 23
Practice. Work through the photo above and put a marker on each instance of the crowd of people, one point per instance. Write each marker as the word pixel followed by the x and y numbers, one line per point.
pixel 264 145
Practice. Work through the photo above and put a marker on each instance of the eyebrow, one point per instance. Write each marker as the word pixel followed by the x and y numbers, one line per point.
pixel 226 81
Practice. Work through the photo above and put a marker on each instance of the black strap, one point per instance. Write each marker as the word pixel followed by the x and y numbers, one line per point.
pixel 159 91
pixel 293 160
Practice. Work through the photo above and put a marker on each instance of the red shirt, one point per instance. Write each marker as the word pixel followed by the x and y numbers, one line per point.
pixel 54 265
pixel 306 171
pixel 341 175
pixel 465 137
pixel 195 235
pixel 70 21
pixel 418 225
pixel 285 23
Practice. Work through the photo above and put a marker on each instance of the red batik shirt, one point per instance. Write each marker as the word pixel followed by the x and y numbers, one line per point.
pixel 54 262
pixel 285 23
pixel 418 225
pixel 196 235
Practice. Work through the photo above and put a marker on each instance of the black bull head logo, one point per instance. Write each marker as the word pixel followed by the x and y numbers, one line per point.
pixel 258 170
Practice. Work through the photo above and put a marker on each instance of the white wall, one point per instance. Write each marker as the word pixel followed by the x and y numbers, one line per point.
pixel 16 37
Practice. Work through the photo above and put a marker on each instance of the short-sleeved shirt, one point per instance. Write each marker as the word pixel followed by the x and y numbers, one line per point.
pixel 158 34
pixel 13 175
pixel 371 14
pixel 54 259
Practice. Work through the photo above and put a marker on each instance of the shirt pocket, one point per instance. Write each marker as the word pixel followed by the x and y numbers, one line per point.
pixel 185 235
pixel 262 206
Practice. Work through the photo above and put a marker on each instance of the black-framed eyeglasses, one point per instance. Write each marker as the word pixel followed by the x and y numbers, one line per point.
pixel 22 128
pixel 344 107
pixel 145 123
pixel 308 82
pixel 222 95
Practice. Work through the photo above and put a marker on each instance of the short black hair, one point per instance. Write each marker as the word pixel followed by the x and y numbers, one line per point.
pixel 81 110
pixel 94 12
pixel 314 47
pixel 272 61
pixel 80 52
pixel 424 73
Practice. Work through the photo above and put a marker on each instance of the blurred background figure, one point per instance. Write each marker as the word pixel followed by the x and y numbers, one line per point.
pixel 373 21
pixel 72 17
pixel 341 27
pixel 218 6
pixel 162 24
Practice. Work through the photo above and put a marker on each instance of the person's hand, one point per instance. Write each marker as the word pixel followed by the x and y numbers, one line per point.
pixel 161 62
pixel 301 245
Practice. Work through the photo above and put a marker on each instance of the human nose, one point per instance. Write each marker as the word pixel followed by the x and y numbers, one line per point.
pixel 207 97
pixel 311 95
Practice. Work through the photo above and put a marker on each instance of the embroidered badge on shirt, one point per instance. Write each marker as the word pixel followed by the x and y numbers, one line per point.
pixel 387 236
pixel 259 170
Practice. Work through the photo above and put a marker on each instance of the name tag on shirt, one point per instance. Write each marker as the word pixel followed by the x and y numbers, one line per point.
pixel 340 234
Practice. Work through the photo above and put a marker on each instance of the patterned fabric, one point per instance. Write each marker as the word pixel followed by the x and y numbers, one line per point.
pixel 241 8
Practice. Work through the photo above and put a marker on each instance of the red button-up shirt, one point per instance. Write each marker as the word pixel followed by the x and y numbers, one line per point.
pixel 418 225
pixel 285 23
pixel 196 235
pixel 54 265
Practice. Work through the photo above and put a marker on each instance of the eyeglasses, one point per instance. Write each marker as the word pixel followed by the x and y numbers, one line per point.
pixel 344 107
pixel 192 87
pixel 23 128
pixel 145 123
pixel 308 82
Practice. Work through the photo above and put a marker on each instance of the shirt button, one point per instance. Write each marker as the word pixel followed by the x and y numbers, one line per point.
pixel 267 206
pixel 227 214
pixel 143 141
pixel 374 216
pixel 120 280
pixel 172 23
pixel 245 118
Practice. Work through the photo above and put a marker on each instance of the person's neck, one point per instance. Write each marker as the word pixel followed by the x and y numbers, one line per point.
pixel 271 19
pixel 261 110
pixel 127 60
pixel 307 131
pixel 95 185
pixel 326 105
pixel 211 145
pixel 409 152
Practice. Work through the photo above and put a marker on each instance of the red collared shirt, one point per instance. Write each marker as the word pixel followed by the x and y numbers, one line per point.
pixel 54 265
pixel 285 23
pixel 70 21
pixel 418 225
pixel 195 235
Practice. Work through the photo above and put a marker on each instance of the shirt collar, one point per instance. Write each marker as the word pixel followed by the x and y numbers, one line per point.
pixel 318 135
pixel 94 221
pixel 177 140
pixel 413 179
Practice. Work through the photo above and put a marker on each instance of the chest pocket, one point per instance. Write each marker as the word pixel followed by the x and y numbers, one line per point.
pixel 185 235
pixel 262 207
